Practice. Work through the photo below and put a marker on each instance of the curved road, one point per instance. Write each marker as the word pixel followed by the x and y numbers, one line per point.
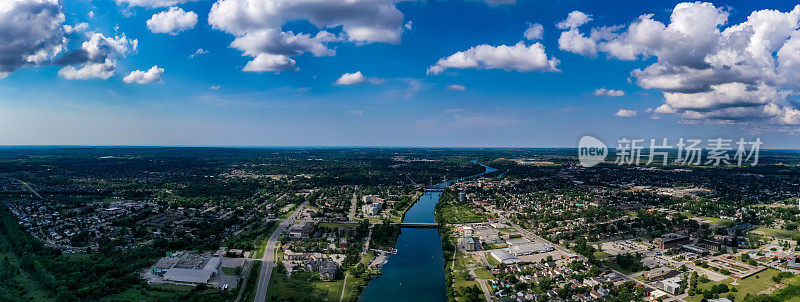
pixel 268 261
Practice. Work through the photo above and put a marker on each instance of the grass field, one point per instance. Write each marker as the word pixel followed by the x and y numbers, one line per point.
pixel 779 233
pixel 601 255
pixel 719 221
pixel 507 230
pixel 302 286
pixel 230 271
pixel 750 285
pixel 461 214
pixel 483 273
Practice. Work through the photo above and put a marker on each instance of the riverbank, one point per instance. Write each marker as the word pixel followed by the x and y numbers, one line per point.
pixel 463 270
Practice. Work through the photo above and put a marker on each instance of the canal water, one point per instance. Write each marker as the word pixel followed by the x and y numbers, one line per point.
pixel 416 272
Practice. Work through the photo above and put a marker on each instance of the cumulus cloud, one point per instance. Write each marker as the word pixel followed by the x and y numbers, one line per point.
pixel 534 32
pixel 351 78
pixel 257 27
pixel 172 21
pixel 608 92
pixel 151 3
pixel 574 20
pixel 574 41
pixel 518 57
pixel 96 58
pixel 77 28
pixel 456 87
pixel 153 75
pixel 87 71
pixel 30 33
pixel 626 113
pixel 356 78
pixel 708 69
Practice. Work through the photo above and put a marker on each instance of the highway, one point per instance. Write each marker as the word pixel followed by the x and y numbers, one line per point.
pixel 268 261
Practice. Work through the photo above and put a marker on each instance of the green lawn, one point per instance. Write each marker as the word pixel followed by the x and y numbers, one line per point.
pixel 304 286
pixel 779 233
pixel 483 273
pixel 749 285
pixel 719 221
pixel 461 214
pixel 601 255
pixel 233 271
pixel 491 260
pixel 507 230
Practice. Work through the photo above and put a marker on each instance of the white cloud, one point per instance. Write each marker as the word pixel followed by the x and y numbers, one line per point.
pixel 199 52
pixel 87 71
pixel 215 87
pixel 356 78
pixel 739 73
pixel 151 3
pixel 626 113
pixel 510 58
pixel 534 32
pixel 608 92
pixel 153 75
pixel 351 78
pixel 267 62
pixel 574 20
pixel 574 41
pixel 30 33
pixel 172 21
pixel 456 87
pixel 257 27
pixel 77 28
pixel 96 58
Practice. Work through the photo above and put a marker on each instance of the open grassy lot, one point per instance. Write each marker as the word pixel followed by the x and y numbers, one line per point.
pixel 170 292
pixel 753 285
pixel 719 221
pixel 601 255
pixel 461 214
pixel 779 233
pixel 483 273
pixel 306 286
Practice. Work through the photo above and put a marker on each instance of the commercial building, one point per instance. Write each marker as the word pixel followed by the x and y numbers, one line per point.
pixel 670 240
pixel 469 244
pixel 522 247
pixel 661 273
pixel 670 285
pixel 503 256
pixel 301 231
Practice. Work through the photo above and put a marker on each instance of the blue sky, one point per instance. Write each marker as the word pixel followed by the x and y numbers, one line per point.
pixel 208 99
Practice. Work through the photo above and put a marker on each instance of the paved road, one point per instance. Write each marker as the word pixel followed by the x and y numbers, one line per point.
pixel 344 287
pixel 351 216
pixel 485 289
pixel 268 261
pixel 29 188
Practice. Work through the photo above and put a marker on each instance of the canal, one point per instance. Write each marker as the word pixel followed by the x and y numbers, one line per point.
pixel 416 272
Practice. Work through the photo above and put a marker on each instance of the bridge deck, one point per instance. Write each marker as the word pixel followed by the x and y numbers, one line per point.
pixel 419 225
